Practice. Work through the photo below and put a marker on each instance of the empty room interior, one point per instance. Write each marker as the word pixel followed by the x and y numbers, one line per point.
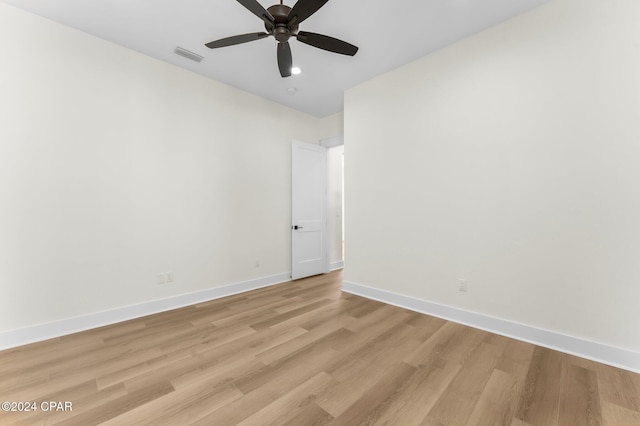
pixel 426 213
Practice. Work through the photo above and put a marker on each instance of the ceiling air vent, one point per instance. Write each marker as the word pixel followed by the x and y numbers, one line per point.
pixel 187 54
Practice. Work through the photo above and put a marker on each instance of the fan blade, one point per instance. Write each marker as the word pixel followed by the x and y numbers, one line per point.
pixel 303 9
pixel 327 43
pixel 254 7
pixel 285 61
pixel 230 41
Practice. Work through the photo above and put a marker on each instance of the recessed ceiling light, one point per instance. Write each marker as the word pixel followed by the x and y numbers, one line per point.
pixel 292 90
pixel 295 70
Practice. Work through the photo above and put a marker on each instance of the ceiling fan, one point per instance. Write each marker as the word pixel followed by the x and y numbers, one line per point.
pixel 281 22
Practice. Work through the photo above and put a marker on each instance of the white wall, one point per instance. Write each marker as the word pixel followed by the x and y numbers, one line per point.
pixel 115 167
pixel 510 159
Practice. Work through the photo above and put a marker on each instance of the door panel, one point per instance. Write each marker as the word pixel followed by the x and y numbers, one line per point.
pixel 308 214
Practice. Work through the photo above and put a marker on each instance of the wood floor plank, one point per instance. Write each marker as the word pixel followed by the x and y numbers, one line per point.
pixel 334 313
pixel 303 319
pixel 268 392
pixel 317 354
pixel 118 406
pixel 539 400
pixel 285 349
pixel 458 400
pixel 180 407
pixel 618 387
pixel 420 393
pixel 361 369
pixel 425 326
pixel 281 317
pixel 373 403
pixel 579 397
pixel 615 415
pixel 311 415
pixel 73 393
pixel 226 371
pixel 396 341
pixel 451 341
pixel 516 359
pixel 496 404
pixel 87 401
pixel 292 403
pixel 237 349
pixel 304 353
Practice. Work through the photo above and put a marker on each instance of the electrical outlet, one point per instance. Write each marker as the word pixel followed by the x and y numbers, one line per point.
pixel 169 277
pixel 462 285
pixel 161 279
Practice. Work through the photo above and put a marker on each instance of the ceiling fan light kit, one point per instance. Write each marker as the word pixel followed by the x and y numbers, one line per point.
pixel 281 22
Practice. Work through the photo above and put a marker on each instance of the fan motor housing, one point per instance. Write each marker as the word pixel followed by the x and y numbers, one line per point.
pixel 282 31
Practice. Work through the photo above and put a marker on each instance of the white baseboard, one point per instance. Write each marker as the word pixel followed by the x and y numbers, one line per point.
pixel 334 266
pixel 594 351
pixel 40 332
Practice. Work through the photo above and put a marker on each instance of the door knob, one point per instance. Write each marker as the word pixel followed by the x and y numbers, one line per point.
pixel 296 227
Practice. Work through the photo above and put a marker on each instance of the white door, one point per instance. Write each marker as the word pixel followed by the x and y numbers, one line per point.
pixel 308 210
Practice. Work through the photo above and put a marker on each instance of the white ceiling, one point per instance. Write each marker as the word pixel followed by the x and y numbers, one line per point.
pixel 388 33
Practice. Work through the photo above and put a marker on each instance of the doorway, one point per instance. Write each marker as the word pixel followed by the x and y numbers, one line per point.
pixel 317 239
pixel 335 205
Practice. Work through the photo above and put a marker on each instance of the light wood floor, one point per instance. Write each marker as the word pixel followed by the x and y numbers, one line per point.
pixel 303 353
